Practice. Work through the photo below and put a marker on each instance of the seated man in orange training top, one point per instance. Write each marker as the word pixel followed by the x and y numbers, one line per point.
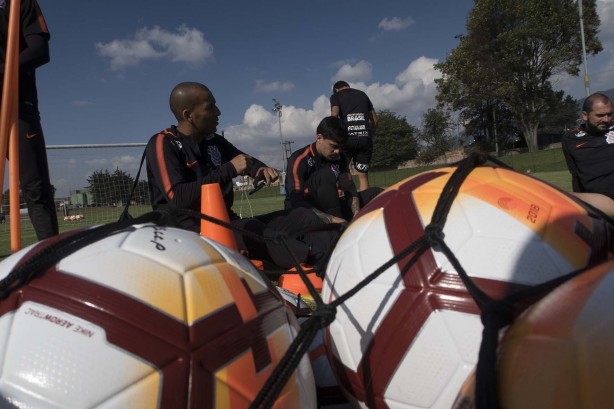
pixel 319 173
pixel 182 158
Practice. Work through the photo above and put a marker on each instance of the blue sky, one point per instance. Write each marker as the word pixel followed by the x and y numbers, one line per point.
pixel 114 63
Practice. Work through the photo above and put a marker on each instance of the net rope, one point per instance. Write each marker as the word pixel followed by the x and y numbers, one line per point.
pixel 495 314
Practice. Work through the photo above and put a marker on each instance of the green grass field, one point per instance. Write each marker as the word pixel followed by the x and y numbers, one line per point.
pixel 548 165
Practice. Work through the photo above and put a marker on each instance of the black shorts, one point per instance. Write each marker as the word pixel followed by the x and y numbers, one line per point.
pixel 360 149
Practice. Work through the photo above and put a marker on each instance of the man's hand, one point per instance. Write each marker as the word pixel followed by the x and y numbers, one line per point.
pixel 329 218
pixel 269 175
pixel 355 205
pixel 335 219
pixel 242 164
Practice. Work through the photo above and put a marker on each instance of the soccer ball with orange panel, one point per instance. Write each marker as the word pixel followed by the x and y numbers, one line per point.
pixel 560 352
pixel 411 337
pixel 149 317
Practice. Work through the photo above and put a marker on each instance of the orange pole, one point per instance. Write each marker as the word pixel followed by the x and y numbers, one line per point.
pixel 212 204
pixel 9 122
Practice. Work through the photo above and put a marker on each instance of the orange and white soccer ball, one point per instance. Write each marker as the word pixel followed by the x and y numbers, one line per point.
pixel 150 317
pixel 411 337
pixel 559 354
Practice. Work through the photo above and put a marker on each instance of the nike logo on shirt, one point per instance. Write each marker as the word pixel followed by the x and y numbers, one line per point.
pixel 31 135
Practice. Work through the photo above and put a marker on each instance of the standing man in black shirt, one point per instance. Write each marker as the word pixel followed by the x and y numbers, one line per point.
pixel 356 111
pixel 589 152
pixel 33 169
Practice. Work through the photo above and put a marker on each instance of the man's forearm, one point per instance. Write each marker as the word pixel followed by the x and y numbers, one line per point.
pixel 355 205
pixel 328 218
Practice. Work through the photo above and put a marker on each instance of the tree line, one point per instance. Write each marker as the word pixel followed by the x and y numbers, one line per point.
pixel 106 188
pixel 499 79
pixel 113 189
pixel 496 89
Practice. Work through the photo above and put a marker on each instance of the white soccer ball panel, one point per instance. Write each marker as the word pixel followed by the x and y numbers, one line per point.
pixel 437 363
pixel 136 276
pixel 74 367
pixel 189 250
pixel 138 395
pixel 362 249
pixel 357 320
pixel 499 247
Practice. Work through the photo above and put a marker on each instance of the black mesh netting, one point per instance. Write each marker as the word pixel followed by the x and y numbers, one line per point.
pixel 495 314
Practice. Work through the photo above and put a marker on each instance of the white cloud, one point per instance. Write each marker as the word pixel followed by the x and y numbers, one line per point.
pixel 187 45
pixel 605 10
pixel 99 163
pixel 275 86
pixel 421 69
pixel 361 71
pixel 395 23
pixel 600 67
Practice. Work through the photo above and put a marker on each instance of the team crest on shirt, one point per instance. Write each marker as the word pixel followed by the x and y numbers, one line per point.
pixel 310 162
pixel 177 143
pixel 335 168
pixel 215 155
pixel 609 137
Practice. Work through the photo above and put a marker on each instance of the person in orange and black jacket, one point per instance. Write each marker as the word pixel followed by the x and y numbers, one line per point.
pixel 589 153
pixel 319 177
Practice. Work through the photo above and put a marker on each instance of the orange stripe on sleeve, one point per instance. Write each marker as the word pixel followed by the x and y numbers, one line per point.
pixel 297 184
pixel 166 181
pixel 41 19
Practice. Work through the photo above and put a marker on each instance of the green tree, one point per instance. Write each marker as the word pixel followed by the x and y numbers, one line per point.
pixel 394 141
pixel 491 127
pixel 110 189
pixel 435 134
pixel 511 51
pixel 562 114
pixel 100 186
pixel 122 184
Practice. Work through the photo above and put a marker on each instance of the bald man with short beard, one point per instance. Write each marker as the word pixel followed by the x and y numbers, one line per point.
pixel 589 153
